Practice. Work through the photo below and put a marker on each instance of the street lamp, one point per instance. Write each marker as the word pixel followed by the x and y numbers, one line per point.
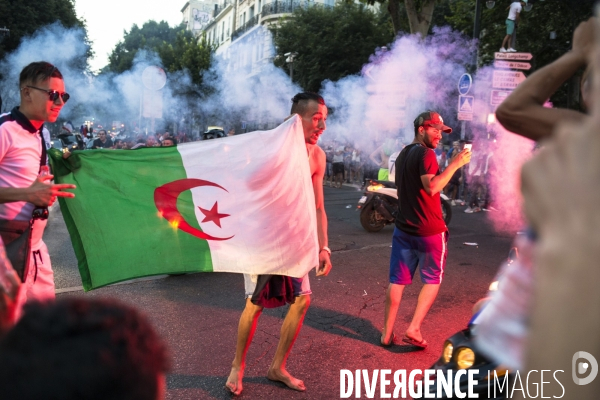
pixel 490 4
pixel 528 7
pixel 290 61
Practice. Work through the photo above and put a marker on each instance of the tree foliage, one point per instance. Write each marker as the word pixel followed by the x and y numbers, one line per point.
pixel 414 16
pixel 533 32
pixel 331 42
pixel 152 36
pixel 177 48
pixel 24 17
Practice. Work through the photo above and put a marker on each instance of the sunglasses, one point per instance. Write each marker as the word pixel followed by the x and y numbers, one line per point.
pixel 53 94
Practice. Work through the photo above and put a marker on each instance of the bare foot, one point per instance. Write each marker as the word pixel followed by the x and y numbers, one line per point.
pixel 285 377
pixel 234 381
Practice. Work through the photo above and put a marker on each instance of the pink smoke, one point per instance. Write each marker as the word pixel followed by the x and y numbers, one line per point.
pixel 510 152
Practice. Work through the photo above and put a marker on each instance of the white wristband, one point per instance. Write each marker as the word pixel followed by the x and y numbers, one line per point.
pixel 327 249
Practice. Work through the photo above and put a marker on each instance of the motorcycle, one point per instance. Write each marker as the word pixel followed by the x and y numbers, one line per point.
pixel 379 206
pixel 68 142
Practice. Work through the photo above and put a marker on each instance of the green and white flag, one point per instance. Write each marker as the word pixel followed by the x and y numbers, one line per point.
pixel 240 204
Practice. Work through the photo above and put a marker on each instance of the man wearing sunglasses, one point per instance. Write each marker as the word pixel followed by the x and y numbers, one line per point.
pixel 25 185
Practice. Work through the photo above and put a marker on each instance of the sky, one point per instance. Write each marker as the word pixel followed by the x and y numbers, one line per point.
pixel 107 19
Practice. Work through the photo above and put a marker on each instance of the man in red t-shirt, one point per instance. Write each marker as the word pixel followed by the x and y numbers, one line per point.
pixel 420 235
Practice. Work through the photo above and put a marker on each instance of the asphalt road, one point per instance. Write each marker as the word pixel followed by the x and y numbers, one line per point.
pixel 197 314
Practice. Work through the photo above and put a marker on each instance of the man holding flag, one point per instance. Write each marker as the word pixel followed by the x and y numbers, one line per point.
pixel 313 112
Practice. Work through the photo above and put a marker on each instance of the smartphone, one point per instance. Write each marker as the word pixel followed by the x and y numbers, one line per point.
pixel 468 146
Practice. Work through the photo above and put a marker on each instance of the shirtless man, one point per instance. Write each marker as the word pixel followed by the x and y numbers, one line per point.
pixel 313 111
pixel 381 157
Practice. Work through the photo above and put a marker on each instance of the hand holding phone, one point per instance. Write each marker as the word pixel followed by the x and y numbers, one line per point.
pixel 468 146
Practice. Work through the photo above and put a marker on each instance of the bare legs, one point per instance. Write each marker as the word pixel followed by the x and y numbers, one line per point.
pixel 506 41
pixel 392 303
pixel 289 331
pixel 246 329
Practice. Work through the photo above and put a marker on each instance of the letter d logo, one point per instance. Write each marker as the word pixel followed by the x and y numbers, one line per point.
pixel 583 367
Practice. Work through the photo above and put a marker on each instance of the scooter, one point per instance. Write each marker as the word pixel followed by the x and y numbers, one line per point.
pixel 379 206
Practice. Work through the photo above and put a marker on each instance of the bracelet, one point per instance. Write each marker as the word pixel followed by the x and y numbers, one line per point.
pixel 327 249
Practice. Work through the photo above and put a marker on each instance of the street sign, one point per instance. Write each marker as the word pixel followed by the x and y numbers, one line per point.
pixel 498 97
pixel 507 79
pixel 464 84
pixel 465 104
pixel 512 65
pixel 513 56
pixel 465 116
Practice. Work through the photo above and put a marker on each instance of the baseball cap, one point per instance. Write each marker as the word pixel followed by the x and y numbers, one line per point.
pixel 431 118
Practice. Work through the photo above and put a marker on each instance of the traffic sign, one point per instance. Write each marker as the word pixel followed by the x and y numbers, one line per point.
pixel 507 79
pixel 465 116
pixel 464 84
pixel 498 97
pixel 512 65
pixel 465 104
pixel 513 56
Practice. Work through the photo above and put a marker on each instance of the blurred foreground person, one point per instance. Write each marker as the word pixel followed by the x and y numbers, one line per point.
pixel 503 325
pixel 80 348
pixel 561 192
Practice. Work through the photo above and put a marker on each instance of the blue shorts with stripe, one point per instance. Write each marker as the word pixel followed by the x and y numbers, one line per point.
pixel 427 252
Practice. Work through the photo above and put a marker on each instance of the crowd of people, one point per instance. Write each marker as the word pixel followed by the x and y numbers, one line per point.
pixel 86 348
pixel 469 186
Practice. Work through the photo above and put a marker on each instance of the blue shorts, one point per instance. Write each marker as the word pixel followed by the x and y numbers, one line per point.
pixel 408 251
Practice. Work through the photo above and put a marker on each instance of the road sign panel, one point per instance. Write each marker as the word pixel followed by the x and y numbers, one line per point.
pixel 464 84
pixel 513 56
pixel 512 65
pixel 465 116
pixel 507 79
pixel 465 104
pixel 498 96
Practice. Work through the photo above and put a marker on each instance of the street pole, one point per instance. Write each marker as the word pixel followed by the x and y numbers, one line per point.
pixel 477 27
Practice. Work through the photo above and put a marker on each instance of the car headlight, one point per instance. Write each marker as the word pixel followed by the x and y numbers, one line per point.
pixel 465 358
pixel 447 353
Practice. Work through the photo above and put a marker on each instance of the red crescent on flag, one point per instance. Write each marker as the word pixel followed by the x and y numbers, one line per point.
pixel 165 199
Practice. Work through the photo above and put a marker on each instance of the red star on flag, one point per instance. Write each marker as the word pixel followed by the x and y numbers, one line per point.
pixel 213 215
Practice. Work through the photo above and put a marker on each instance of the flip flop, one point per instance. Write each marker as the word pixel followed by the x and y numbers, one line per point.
pixel 390 343
pixel 420 344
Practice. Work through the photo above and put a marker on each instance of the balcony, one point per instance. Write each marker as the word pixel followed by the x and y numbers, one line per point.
pixel 252 22
pixel 279 7
pixel 283 7
pixel 220 7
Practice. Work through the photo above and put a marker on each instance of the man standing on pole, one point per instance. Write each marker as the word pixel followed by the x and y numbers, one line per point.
pixel 421 234
pixel 514 15
pixel 312 110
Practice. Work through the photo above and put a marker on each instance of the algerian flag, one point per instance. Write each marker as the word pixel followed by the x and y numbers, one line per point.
pixel 238 204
